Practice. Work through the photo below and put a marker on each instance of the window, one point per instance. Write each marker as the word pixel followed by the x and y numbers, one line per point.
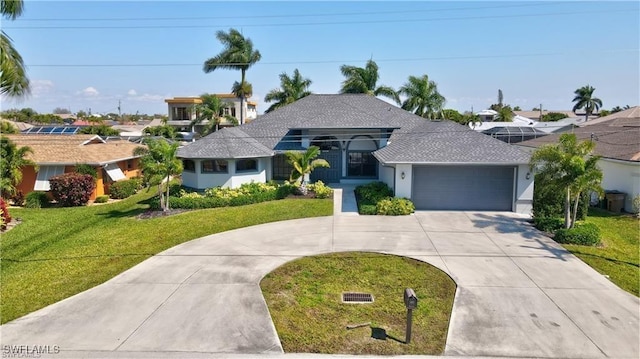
pixel 189 165
pixel 362 164
pixel 281 168
pixel 246 165
pixel 180 114
pixel 215 166
pixel 229 111
pixel 129 164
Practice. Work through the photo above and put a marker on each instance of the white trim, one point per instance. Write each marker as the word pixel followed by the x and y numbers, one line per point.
pixel 44 173
pixel 114 172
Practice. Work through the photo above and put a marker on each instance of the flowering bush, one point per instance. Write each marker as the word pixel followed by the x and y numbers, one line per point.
pixel 320 189
pixel 4 215
pixel 72 189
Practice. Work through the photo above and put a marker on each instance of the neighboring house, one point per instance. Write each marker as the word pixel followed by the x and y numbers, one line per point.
pixel 182 111
pixel 536 115
pixel 114 160
pixel 617 139
pixel 437 164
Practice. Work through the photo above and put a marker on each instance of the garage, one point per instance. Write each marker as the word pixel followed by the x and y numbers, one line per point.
pixel 486 188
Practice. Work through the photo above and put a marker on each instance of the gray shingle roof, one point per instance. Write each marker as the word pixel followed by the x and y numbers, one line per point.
pixel 447 142
pixel 229 142
pixel 414 140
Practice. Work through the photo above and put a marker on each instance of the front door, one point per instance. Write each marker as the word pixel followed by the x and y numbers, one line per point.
pixel 331 174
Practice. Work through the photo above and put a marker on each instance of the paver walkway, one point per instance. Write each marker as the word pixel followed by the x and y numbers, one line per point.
pixel 519 294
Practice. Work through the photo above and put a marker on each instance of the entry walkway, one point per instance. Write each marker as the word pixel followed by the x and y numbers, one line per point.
pixel 519 293
pixel 344 199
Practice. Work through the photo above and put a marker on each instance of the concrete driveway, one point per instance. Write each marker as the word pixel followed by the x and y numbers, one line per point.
pixel 519 294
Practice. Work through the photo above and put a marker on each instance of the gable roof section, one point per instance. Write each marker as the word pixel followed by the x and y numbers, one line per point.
pixel 230 142
pixel 628 117
pixel 616 138
pixel 442 142
pixel 72 149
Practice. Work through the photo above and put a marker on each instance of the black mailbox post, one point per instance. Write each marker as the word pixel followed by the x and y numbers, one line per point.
pixel 411 302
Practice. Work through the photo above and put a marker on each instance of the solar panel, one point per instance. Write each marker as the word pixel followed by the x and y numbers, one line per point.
pixel 57 130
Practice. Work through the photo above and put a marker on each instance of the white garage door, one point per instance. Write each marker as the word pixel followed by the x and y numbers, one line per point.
pixel 487 188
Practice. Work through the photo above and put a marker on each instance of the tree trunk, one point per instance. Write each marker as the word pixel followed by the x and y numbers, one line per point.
pixel 567 209
pixel 161 195
pixel 575 210
pixel 168 188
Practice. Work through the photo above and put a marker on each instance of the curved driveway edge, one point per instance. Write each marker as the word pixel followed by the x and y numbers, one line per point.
pixel 519 293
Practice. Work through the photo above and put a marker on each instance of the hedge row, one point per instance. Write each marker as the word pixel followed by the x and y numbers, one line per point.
pixel 377 198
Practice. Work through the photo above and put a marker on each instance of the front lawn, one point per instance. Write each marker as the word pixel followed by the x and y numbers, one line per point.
pixel 304 299
pixel 619 255
pixel 58 252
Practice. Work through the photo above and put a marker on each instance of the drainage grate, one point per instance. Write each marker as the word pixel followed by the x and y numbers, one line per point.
pixel 357 298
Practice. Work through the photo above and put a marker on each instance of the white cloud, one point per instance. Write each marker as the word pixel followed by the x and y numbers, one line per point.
pixel 132 92
pixel 148 98
pixel 89 92
pixel 39 87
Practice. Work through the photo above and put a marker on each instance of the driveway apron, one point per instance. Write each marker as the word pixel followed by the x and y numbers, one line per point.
pixel 519 293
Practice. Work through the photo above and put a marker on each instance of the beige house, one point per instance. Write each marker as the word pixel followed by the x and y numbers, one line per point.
pixel 182 111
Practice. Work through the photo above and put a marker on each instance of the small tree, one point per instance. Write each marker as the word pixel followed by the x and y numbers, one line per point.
pixel 12 161
pixel 570 167
pixel 303 164
pixel 158 163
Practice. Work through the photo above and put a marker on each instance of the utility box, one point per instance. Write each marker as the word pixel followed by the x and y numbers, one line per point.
pixel 410 299
pixel 615 201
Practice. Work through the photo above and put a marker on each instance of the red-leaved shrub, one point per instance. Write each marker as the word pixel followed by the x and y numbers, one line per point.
pixel 72 189
pixel 6 217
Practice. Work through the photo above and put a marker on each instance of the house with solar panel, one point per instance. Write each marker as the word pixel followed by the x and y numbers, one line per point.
pixel 439 165
pixel 114 160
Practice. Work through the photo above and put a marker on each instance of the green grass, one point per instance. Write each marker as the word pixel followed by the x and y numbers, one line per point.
pixel 58 252
pixel 304 298
pixel 619 255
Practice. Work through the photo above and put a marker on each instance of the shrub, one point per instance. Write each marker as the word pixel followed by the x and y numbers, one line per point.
pixel 368 209
pixel 248 193
pixel 285 190
pixel 548 200
pixel 72 189
pixel 373 192
pixel 124 189
pixel 86 169
pixel 636 205
pixel 18 199
pixel 102 199
pixel 4 214
pixel 320 189
pixel 36 199
pixel 395 207
pixel 548 224
pixel 586 234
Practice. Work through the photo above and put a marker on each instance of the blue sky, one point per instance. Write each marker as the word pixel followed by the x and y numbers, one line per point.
pixel 92 54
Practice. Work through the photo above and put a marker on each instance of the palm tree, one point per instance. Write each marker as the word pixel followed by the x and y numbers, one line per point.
pixel 12 161
pixel 584 99
pixel 158 163
pixel 210 110
pixel 423 97
pixel 303 164
pixel 505 114
pixel 570 167
pixel 238 54
pixel 13 81
pixel 364 80
pixel 291 90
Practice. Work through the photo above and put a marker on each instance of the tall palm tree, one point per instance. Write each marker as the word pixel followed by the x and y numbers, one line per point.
pixel 291 89
pixel 571 168
pixel 584 99
pixel 365 80
pixel 238 54
pixel 12 161
pixel 13 81
pixel 158 163
pixel 423 97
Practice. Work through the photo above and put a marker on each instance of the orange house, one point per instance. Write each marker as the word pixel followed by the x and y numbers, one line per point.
pixel 57 154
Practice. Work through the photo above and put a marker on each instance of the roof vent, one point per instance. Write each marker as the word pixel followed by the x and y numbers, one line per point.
pixel 357 298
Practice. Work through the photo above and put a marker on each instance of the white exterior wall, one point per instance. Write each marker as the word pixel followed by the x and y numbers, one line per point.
pixel 240 178
pixel 623 176
pixel 386 175
pixel 403 185
pixel 523 190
